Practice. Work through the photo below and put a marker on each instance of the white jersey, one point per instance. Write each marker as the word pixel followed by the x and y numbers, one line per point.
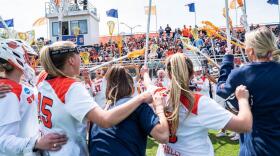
pixel 202 85
pixel 164 82
pixel 63 105
pixel 18 121
pixel 192 133
pixel 100 91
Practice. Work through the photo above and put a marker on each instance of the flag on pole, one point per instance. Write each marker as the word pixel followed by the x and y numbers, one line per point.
pixel 276 2
pixel 136 53
pixel 9 23
pixel 191 7
pixel 153 10
pixel 40 21
pixel 240 3
pixel 112 13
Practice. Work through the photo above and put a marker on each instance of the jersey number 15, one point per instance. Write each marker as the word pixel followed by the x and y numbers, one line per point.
pixel 45 114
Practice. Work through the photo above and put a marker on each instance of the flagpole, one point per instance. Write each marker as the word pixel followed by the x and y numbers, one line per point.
pixel 156 20
pixel 236 14
pixel 118 24
pixel 148 32
pixel 247 28
pixel 278 13
pixel 118 27
pixel 194 18
pixel 48 30
pixel 213 49
pixel 228 30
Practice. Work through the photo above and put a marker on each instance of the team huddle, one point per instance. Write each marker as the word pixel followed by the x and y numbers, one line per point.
pixel 62 111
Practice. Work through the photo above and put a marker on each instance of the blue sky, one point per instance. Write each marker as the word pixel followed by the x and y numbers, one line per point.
pixel 172 12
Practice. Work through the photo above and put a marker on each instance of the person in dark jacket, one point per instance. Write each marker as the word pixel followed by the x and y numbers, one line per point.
pixel 128 138
pixel 261 76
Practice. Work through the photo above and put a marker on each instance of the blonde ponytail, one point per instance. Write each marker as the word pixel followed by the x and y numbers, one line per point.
pixel 180 70
pixel 276 55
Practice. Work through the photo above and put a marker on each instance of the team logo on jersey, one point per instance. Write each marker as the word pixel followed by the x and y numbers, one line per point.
pixel 12 44
pixel 26 91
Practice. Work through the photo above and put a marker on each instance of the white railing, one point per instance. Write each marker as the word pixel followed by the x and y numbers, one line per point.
pixel 152 63
pixel 50 8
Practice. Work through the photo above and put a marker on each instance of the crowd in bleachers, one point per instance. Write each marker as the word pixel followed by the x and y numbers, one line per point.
pixel 168 41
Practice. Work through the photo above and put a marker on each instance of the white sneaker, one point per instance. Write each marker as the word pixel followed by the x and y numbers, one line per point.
pixel 221 134
pixel 235 138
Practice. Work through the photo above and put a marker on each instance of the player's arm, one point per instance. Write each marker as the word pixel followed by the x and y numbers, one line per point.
pixel 145 74
pixel 109 118
pixel 161 131
pixel 82 107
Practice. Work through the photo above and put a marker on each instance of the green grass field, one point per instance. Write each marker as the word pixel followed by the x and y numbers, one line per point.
pixel 223 146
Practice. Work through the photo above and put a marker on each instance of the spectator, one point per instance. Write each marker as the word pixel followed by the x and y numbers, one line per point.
pixel 168 31
pixel 185 32
pixel 160 31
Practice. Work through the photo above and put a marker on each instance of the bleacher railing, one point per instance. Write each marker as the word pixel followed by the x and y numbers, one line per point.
pixel 152 63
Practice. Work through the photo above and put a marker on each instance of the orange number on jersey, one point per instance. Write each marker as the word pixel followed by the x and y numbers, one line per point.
pixel 46 119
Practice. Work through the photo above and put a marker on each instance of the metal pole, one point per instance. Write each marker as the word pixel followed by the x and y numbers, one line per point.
pixel 148 32
pixel 214 53
pixel 48 36
pixel 107 63
pixel 228 29
pixel 195 18
pixel 242 52
pixel 278 13
pixel 244 9
pixel 118 27
pixel 156 20
pixel 60 18
pixel 236 14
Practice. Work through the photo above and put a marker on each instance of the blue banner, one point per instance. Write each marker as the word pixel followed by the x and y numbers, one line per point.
pixel 112 13
pixel 273 2
pixel 10 23
pixel 191 7
pixel 79 40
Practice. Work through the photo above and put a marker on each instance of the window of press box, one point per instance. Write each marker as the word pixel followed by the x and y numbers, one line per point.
pixel 81 24
pixel 65 28
pixel 55 28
